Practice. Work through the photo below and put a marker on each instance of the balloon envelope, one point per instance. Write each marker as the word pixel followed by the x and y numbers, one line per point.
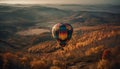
pixel 62 32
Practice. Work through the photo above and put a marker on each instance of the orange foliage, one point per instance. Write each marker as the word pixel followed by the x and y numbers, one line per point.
pixel 23 60
pixel 10 61
pixel 38 64
pixel 55 67
pixel 110 59
pixel 10 56
pixel 94 50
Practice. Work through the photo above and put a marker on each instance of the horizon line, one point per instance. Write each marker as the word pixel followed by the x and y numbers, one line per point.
pixel 53 4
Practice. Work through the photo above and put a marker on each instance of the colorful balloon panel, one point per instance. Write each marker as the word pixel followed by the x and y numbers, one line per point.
pixel 63 35
pixel 62 32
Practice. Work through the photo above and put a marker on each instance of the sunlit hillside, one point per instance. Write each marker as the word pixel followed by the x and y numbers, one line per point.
pixel 85 47
pixel 83 51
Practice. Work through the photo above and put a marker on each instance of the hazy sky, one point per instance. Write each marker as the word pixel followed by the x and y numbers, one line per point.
pixel 62 1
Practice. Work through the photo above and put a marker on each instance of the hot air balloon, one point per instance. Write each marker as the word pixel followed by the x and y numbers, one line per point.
pixel 62 32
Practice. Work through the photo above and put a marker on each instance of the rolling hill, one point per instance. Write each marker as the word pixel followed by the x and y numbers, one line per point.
pixel 25 35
